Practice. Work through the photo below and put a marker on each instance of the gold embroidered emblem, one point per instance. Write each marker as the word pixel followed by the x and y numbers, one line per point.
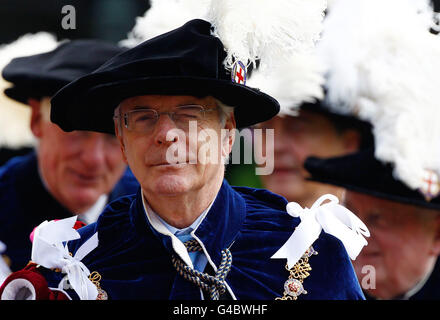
pixel 293 287
pixel 95 277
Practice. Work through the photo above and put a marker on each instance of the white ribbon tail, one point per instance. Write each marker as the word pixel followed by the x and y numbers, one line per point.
pixel 344 225
pixel 87 247
pixel 50 251
pixel 77 273
pixel 301 239
pixel 331 217
pixel 5 271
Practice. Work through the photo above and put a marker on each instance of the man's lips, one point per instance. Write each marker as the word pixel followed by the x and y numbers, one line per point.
pixel 370 254
pixel 168 164
pixel 85 177
pixel 285 170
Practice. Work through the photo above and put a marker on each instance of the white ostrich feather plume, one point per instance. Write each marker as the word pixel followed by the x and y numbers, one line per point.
pixel 292 83
pixel 15 120
pixel 27 45
pixel 269 31
pixel 249 29
pixel 384 67
pixel 164 16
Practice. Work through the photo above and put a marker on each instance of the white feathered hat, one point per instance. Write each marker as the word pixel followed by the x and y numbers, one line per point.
pixel 15 120
pixel 383 67
pixel 239 34
pixel 251 30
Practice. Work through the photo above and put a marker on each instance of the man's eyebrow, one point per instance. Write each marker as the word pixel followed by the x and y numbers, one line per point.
pixel 136 107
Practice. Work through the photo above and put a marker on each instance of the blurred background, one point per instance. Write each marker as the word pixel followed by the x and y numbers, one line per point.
pixel 103 19
pixel 109 20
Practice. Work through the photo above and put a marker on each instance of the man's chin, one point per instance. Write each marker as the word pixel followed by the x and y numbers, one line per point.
pixel 170 184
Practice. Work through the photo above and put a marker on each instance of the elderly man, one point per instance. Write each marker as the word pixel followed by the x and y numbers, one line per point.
pixel 187 234
pixel 401 259
pixel 313 131
pixel 75 173
pixel 393 187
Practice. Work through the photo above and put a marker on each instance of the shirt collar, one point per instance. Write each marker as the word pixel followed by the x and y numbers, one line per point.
pixel 164 228
pixel 92 214
pixel 174 230
pixel 214 231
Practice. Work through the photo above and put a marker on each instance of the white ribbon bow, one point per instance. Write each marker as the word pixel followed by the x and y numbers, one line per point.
pixel 49 251
pixel 333 218
pixel 4 268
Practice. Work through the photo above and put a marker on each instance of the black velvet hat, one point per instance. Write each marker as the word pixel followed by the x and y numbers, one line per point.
pixel 372 80
pixel 42 75
pixel 185 61
pixel 362 172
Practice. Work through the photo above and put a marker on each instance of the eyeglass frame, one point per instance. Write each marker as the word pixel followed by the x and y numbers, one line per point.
pixel 124 116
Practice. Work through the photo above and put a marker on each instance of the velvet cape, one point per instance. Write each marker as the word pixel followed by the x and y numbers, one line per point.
pixel 134 260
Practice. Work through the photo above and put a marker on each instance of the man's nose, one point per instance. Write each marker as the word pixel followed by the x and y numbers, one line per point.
pixel 165 131
pixel 93 150
pixel 281 140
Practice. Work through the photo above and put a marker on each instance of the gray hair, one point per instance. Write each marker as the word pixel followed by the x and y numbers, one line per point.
pixel 117 115
pixel 45 107
pixel 225 111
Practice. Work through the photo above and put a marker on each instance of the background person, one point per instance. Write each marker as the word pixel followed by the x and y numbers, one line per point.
pixel 393 187
pixel 68 173
pixel 144 94
pixel 16 137
pixel 306 126
pixel 314 131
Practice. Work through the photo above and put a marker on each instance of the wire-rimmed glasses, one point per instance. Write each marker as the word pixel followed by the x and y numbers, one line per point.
pixel 142 120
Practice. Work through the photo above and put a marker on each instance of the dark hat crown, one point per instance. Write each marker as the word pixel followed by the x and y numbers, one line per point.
pixel 44 74
pixel 362 172
pixel 189 50
pixel 188 60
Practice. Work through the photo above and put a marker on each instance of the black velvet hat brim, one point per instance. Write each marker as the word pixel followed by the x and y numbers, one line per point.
pixel 93 110
pixel 36 89
pixel 42 75
pixel 187 61
pixel 362 172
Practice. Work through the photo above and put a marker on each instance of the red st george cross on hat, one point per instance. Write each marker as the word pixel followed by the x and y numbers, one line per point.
pixel 239 73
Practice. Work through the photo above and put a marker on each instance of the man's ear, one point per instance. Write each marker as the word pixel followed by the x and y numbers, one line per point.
pixel 436 244
pixel 36 117
pixel 230 126
pixel 121 141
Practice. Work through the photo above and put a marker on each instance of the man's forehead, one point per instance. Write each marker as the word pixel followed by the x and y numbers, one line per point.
pixel 165 101
pixel 372 204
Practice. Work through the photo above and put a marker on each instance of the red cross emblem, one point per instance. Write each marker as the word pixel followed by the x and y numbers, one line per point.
pixel 239 73
pixel 431 187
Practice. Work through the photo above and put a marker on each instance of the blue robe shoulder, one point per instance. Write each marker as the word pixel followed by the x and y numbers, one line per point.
pixel 134 259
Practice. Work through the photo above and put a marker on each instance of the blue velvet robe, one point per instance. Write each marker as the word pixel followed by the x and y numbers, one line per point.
pixel 25 203
pixel 134 260
pixel 431 289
